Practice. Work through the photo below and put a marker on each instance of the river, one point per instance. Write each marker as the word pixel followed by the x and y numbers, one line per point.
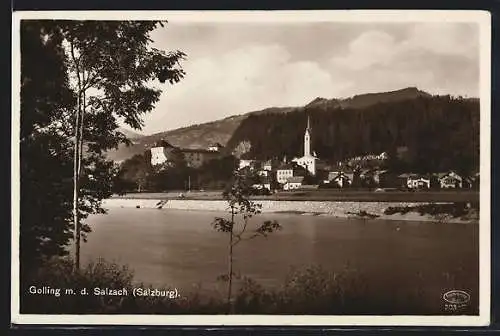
pixel 178 248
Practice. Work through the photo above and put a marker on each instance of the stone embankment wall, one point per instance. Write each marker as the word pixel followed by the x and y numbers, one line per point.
pixel 326 208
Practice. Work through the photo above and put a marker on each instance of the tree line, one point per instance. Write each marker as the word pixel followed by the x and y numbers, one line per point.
pixel 138 175
pixel 440 132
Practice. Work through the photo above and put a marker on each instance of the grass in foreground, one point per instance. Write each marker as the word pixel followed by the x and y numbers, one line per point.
pixel 309 291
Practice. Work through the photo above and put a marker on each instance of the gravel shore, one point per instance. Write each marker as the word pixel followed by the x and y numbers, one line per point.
pixel 365 210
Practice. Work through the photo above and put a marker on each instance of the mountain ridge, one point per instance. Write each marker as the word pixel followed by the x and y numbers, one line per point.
pixel 221 131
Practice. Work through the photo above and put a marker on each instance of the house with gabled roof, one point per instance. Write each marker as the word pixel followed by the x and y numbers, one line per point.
pixel 418 181
pixel 449 179
pixel 293 183
pixel 215 147
pixel 341 179
pixel 246 163
pixel 264 183
pixel 284 172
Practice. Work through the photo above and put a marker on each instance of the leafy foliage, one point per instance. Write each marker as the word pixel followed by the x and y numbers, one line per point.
pixel 78 80
pixel 45 150
pixel 240 206
pixel 137 174
pixel 305 291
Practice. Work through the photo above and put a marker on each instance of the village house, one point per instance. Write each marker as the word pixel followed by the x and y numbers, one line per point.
pixel 417 181
pixel 263 172
pixel 293 183
pixel 215 147
pixel 265 168
pixel 341 179
pixel 284 172
pixel 246 163
pixel 449 180
pixel 264 183
pixel 268 165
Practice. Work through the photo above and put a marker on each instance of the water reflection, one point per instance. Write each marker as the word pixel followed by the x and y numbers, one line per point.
pixel 180 248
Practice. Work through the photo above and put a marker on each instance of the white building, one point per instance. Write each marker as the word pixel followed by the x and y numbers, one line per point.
pixel 340 179
pixel 308 161
pixel 160 152
pixel 263 172
pixel 246 163
pixel 294 182
pixel 449 180
pixel 418 182
pixel 283 173
pixel 267 166
pixel 216 147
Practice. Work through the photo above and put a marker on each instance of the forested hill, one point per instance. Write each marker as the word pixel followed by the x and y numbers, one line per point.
pixel 441 132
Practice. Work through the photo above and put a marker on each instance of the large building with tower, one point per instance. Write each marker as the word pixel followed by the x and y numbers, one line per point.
pixel 309 160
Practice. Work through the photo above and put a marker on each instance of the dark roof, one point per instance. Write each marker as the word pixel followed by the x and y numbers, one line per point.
pixel 341 176
pixel 295 179
pixel 343 171
pixel 286 166
pixel 420 176
pixel 197 150
pixel 163 143
pixel 450 173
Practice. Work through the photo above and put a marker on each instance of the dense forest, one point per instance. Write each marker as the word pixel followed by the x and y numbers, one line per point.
pixel 441 132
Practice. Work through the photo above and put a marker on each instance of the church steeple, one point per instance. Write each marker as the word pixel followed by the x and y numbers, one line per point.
pixel 307 138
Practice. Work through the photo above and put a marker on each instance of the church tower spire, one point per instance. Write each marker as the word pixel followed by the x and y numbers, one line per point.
pixel 307 138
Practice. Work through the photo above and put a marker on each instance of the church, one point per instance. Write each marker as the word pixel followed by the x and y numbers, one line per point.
pixel 308 161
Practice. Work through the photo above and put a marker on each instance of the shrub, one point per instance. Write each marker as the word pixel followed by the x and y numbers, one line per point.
pixel 58 273
pixel 438 211
pixel 307 291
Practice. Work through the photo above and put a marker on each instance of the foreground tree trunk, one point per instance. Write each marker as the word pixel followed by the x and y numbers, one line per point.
pixel 230 266
pixel 110 73
pixel 76 188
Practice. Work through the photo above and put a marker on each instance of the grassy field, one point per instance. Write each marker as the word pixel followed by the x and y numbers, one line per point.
pixel 327 195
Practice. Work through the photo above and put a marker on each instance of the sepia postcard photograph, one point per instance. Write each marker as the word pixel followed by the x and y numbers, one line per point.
pixel 251 168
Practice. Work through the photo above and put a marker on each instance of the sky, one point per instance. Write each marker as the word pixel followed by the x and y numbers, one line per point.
pixel 238 67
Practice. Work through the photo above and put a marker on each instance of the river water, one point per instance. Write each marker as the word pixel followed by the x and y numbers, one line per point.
pixel 178 248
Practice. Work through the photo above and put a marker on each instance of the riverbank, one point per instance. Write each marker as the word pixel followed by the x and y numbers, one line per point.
pixel 341 195
pixel 340 209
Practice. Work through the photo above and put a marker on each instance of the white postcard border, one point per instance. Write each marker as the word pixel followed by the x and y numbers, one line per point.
pixel 482 18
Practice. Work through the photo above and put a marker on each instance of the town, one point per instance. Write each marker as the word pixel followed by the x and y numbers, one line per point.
pixel 309 172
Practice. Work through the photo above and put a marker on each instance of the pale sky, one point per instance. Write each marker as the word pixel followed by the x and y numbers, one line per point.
pixel 234 68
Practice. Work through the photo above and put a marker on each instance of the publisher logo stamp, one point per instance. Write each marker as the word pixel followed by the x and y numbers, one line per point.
pixel 456 300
